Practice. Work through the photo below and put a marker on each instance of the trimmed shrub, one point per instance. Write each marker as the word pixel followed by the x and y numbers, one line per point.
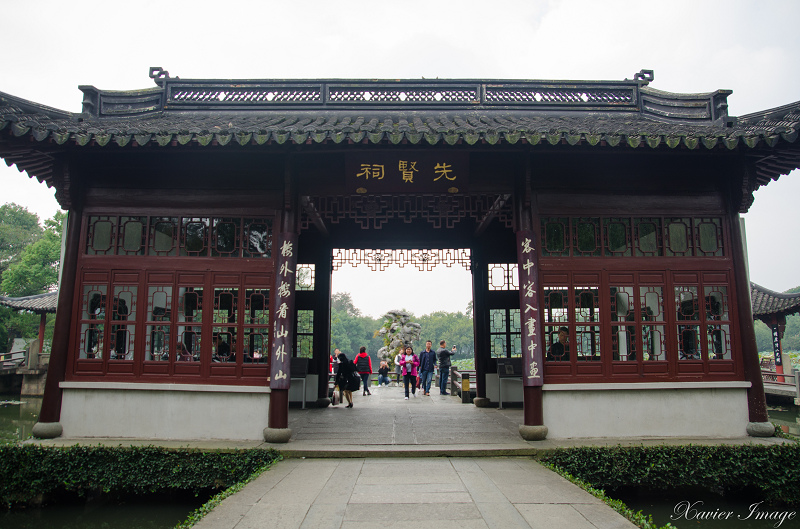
pixel 773 469
pixel 29 471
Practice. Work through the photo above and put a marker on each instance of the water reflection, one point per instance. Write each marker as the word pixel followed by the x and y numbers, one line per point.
pixel 787 417
pixel 138 513
pixel 697 507
pixel 17 417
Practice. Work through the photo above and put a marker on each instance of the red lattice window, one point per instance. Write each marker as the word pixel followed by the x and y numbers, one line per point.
pixel 163 236
pixel 632 237
pixel 101 236
pixel 132 235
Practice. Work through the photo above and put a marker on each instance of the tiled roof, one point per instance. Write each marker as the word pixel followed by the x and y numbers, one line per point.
pixel 205 113
pixel 767 302
pixel 39 303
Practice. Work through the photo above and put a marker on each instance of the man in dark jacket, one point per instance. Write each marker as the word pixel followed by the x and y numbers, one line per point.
pixel 427 365
pixel 444 366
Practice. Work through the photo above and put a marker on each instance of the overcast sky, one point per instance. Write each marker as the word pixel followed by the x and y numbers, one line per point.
pixel 51 47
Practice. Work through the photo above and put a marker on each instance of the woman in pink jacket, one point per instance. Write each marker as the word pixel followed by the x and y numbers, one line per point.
pixel 410 364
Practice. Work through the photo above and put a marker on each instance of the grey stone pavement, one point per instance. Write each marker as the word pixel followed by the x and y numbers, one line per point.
pixel 384 424
pixel 389 462
pixel 442 492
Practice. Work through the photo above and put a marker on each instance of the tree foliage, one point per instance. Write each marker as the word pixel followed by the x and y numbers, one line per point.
pixel 29 259
pixel 18 229
pixel 349 329
pixel 36 269
pixel 454 327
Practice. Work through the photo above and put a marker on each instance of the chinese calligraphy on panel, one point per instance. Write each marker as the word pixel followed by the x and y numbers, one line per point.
pixel 411 171
pixel 283 318
pixel 529 309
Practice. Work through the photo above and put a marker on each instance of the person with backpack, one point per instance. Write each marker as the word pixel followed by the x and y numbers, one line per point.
pixel 363 365
pixel 347 378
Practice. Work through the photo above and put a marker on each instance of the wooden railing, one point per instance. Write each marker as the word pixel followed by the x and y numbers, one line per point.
pixel 462 383
pixel 781 382
pixel 10 361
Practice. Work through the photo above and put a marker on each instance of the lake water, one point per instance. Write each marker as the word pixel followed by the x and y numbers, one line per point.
pixel 17 417
pixel 136 513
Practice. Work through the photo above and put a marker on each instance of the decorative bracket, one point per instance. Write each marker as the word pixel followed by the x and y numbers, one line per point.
pixel 158 74
pixel 644 76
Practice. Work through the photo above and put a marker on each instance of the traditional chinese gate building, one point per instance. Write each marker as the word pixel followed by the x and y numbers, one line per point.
pixel 607 212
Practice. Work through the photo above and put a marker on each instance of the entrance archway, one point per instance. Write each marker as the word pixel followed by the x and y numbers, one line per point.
pixel 475 232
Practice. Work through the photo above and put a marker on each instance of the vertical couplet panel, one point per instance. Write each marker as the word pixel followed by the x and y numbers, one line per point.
pixel 528 259
pixel 284 314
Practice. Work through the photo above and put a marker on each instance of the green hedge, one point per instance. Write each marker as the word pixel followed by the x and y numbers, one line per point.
pixel 774 469
pixel 28 471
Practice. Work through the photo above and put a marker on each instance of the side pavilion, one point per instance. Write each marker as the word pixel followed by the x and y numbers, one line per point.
pixel 600 221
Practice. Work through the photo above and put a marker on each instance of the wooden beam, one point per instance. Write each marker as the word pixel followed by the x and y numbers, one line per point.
pixel 491 214
pixel 312 212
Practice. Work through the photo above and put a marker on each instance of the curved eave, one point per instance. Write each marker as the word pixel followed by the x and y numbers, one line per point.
pixel 40 304
pixel 767 302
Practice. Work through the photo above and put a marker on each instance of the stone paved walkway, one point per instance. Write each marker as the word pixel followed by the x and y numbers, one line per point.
pixel 384 419
pixel 464 493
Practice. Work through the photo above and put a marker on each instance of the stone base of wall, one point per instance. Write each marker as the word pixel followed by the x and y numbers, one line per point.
pixel 646 410
pixel 635 410
pixel 164 411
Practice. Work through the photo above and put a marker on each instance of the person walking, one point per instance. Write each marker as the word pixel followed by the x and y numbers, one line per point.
pixel 444 366
pixel 336 363
pixel 427 365
pixel 363 364
pixel 346 379
pixel 410 364
pixel 398 364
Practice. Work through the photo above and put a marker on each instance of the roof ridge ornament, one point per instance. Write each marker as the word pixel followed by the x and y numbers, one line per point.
pixel 644 76
pixel 158 74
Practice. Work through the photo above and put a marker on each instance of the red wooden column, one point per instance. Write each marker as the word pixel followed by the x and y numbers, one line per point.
pixel 533 428
pixel 48 425
pixel 756 402
pixel 283 321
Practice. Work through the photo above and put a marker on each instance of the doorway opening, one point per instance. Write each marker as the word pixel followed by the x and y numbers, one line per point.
pixel 434 286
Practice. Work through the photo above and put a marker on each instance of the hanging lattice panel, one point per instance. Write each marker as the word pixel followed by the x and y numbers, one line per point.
pixel 374 211
pixel 423 260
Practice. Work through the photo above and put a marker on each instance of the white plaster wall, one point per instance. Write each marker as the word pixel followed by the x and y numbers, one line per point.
pixel 164 411
pixel 718 412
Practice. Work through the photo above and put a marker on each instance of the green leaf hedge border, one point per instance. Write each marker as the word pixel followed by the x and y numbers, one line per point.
pixel 29 471
pixel 773 469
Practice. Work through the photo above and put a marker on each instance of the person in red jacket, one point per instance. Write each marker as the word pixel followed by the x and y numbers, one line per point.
pixel 364 367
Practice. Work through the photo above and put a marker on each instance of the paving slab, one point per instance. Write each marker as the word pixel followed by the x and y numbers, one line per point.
pixel 447 492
